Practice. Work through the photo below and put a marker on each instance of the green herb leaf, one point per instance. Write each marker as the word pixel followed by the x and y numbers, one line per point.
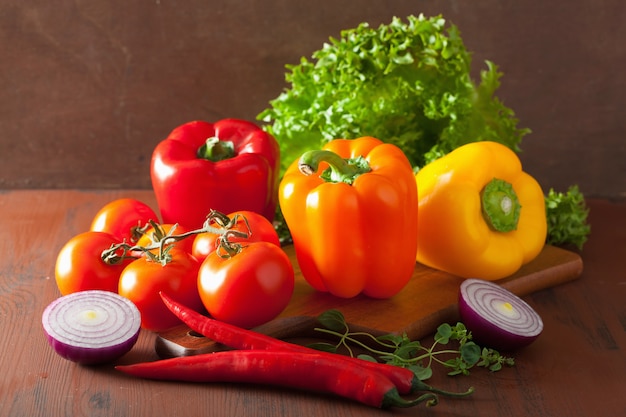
pixel 422 373
pixel 368 358
pixel 457 353
pixel 407 350
pixel 470 353
pixel 392 339
pixel 460 333
pixel 333 320
pixel 444 332
pixel 324 347
pixel 459 367
pixel 495 367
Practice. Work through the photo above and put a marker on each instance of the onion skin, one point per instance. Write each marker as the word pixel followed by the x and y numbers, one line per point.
pixel 86 341
pixel 97 356
pixel 482 325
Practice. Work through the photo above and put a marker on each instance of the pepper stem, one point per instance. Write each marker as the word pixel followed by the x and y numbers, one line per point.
pixel 339 170
pixel 500 205
pixel 393 399
pixel 216 150
pixel 419 385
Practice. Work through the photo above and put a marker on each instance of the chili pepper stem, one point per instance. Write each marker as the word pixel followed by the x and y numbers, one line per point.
pixel 500 205
pixel 339 170
pixel 393 399
pixel 419 385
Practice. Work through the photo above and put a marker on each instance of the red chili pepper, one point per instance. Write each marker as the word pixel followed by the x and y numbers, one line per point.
pixel 227 166
pixel 306 371
pixel 235 337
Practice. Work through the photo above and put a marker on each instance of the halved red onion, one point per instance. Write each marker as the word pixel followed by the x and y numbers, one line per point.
pixel 496 317
pixel 91 327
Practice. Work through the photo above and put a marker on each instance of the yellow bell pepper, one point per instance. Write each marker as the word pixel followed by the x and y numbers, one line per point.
pixel 480 215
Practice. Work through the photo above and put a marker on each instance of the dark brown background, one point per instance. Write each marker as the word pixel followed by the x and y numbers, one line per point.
pixel 89 87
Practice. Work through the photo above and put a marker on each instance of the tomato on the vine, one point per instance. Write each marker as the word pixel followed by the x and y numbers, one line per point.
pixel 248 288
pixel 122 218
pixel 79 265
pixel 150 236
pixel 260 230
pixel 143 279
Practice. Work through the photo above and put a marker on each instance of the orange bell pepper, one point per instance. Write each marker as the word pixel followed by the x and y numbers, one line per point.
pixel 480 215
pixel 351 210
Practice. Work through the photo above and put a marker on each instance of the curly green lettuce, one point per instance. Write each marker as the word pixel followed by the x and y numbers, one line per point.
pixel 567 217
pixel 406 83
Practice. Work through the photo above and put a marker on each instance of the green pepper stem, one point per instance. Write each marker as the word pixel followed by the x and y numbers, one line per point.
pixel 419 385
pixel 339 170
pixel 216 150
pixel 500 206
pixel 393 399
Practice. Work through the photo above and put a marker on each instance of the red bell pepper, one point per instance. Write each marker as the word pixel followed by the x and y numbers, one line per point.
pixel 226 166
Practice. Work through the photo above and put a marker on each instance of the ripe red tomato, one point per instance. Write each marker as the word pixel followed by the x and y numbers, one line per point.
pixel 185 244
pixel 80 267
pixel 122 218
pixel 248 289
pixel 143 279
pixel 262 230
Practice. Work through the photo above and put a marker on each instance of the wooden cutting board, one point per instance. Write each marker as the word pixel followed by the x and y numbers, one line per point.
pixel 428 300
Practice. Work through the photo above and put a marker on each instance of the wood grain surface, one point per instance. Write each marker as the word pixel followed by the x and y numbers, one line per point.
pixel 576 368
pixel 429 299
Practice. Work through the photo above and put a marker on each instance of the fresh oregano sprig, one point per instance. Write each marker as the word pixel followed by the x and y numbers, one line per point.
pixel 456 349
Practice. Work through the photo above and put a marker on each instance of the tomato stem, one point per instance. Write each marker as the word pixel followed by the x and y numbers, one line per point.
pixel 227 249
pixel 163 241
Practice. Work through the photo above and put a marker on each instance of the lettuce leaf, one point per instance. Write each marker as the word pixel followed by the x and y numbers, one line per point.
pixel 567 215
pixel 406 83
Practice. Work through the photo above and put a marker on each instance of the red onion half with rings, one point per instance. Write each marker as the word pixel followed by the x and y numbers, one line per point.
pixel 496 317
pixel 91 327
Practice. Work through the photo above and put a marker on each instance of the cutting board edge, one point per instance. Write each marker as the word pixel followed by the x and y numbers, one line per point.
pixel 569 268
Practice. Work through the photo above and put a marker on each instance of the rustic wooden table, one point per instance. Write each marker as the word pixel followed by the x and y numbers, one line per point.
pixel 576 368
